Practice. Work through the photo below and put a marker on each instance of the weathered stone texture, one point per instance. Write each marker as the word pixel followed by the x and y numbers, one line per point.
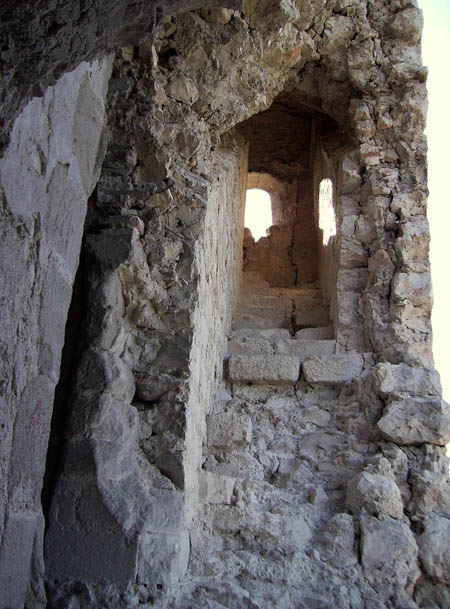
pixel 264 368
pixel 47 174
pixel 434 548
pixel 416 421
pixel 376 493
pixel 327 488
pixel 331 370
pixel 389 557
pixel 38 47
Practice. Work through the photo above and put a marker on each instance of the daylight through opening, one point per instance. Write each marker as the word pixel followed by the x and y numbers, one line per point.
pixel 258 212
pixel 327 217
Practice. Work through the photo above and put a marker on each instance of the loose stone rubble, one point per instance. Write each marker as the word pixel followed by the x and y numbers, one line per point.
pixel 232 424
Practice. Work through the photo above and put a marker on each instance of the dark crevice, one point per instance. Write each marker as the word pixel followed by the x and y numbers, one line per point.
pixel 71 354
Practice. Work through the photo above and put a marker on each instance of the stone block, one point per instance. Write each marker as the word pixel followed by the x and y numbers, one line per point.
pixel 348 309
pixel 312 318
pixel 351 338
pixel 257 299
pixel 416 421
pixel 90 544
pixel 277 369
pixel 217 15
pixel 413 288
pixel 253 280
pixel 333 370
pixel 102 371
pixel 395 379
pixel 350 175
pixel 18 537
pixel 227 429
pixel 305 348
pixel 374 493
pixel 306 298
pixel 255 317
pixel 434 548
pixel 163 557
pixel 182 89
pixel 430 493
pixel 215 488
pixel 353 255
pixel 241 345
pixel 151 388
pixel 319 333
pixel 388 554
pixel 273 335
pixel 407 25
pixel 336 541
pixel 353 280
pixel 105 419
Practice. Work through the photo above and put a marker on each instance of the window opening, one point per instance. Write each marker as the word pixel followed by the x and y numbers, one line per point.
pixel 327 217
pixel 258 212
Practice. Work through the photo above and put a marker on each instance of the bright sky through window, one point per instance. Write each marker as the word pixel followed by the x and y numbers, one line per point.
pixel 327 219
pixel 258 212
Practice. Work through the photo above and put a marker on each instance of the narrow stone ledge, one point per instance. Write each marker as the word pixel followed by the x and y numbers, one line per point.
pixel 416 421
pixel 333 369
pixel 277 369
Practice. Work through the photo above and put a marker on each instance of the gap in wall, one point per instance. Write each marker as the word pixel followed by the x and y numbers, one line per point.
pixel 71 354
pixel 258 212
pixel 289 160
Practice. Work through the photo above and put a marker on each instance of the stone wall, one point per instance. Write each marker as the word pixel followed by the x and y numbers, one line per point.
pixel 160 251
pixel 160 289
pixel 39 46
pixel 47 175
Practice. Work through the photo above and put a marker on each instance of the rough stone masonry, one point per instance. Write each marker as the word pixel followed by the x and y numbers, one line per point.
pixel 190 419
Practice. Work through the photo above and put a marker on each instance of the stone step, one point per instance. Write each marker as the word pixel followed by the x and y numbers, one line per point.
pixel 305 348
pixel 305 298
pixel 261 318
pixel 313 317
pixel 265 368
pixel 270 334
pixel 245 345
pixel 266 300
pixel 318 333
pixel 280 361
pixel 333 369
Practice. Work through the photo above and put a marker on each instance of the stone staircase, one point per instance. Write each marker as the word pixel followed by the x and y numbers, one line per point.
pixel 285 436
pixel 294 309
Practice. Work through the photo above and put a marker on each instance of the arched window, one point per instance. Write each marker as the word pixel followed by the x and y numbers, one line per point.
pixel 327 218
pixel 258 212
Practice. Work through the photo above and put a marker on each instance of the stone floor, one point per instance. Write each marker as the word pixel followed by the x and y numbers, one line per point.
pixel 286 435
